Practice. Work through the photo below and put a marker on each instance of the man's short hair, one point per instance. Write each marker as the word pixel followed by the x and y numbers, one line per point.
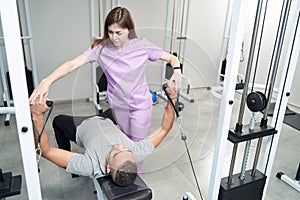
pixel 126 173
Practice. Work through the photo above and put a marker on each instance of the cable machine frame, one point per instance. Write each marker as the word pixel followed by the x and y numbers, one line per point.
pixel 14 53
pixel 226 104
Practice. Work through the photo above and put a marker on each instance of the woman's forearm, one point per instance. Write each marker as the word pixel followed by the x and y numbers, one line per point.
pixel 66 68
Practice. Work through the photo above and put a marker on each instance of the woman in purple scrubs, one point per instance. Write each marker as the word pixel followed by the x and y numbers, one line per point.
pixel 123 58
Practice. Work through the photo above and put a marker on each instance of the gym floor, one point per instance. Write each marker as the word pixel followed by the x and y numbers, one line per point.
pixel 167 171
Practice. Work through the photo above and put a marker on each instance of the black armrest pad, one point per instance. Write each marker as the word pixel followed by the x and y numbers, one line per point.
pixel 136 191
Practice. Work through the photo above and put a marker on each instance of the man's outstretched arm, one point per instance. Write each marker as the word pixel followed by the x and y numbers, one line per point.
pixel 167 122
pixel 55 155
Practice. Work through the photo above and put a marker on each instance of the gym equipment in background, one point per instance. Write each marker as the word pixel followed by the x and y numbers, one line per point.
pixel 100 88
pixel 250 184
pixel 27 47
pixel 9 185
pixel 293 183
pixel 175 42
pixel 7 108
pixel 154 97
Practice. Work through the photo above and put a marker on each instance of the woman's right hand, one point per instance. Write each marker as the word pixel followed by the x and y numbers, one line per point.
pixel 40 92
pixel 177 79
pixel 38 109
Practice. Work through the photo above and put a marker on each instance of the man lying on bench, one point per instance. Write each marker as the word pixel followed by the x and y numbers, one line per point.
pixel 106 148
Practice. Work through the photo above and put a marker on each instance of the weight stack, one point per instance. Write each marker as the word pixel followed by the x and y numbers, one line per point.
pixel 251 188
pixel 9 185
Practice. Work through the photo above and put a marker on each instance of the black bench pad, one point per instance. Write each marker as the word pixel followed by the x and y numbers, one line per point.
pixel 136 191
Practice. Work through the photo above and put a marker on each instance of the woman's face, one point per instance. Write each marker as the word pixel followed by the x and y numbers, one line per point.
pixel 118 36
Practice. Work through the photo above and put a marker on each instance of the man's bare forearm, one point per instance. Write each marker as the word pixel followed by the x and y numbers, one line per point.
pixel 55 155
pixel 167 123
pixel 38 123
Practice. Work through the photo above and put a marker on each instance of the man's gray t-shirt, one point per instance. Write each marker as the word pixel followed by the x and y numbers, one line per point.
pixel 97 135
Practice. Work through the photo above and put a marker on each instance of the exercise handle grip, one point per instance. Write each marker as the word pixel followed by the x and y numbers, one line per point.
pixel 170 100
pixel 165 85
pixel 49 103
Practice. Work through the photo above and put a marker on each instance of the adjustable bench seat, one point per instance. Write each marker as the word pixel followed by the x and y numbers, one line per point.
pixel 108 190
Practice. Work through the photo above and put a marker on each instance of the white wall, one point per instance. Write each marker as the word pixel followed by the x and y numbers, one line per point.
pixel 206 25
pixel 61 30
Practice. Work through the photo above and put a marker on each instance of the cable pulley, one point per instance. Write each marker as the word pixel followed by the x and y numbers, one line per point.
pixel 256 101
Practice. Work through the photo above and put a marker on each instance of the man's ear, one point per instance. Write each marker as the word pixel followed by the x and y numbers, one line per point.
pixel 107 168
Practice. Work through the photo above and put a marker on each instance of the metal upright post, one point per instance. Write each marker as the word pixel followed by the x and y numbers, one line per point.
pixel 290 64
pixel 227 100
pixel 30 41
pixel 224 46
pixel 95 98
pixel 13 46
pixel 94 78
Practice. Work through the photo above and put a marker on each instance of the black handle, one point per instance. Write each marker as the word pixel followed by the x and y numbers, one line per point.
pixel 49 103
pixel 169 98
pixel 165 85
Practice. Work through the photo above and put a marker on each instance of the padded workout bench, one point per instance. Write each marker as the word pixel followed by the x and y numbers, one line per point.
pixel 108 190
